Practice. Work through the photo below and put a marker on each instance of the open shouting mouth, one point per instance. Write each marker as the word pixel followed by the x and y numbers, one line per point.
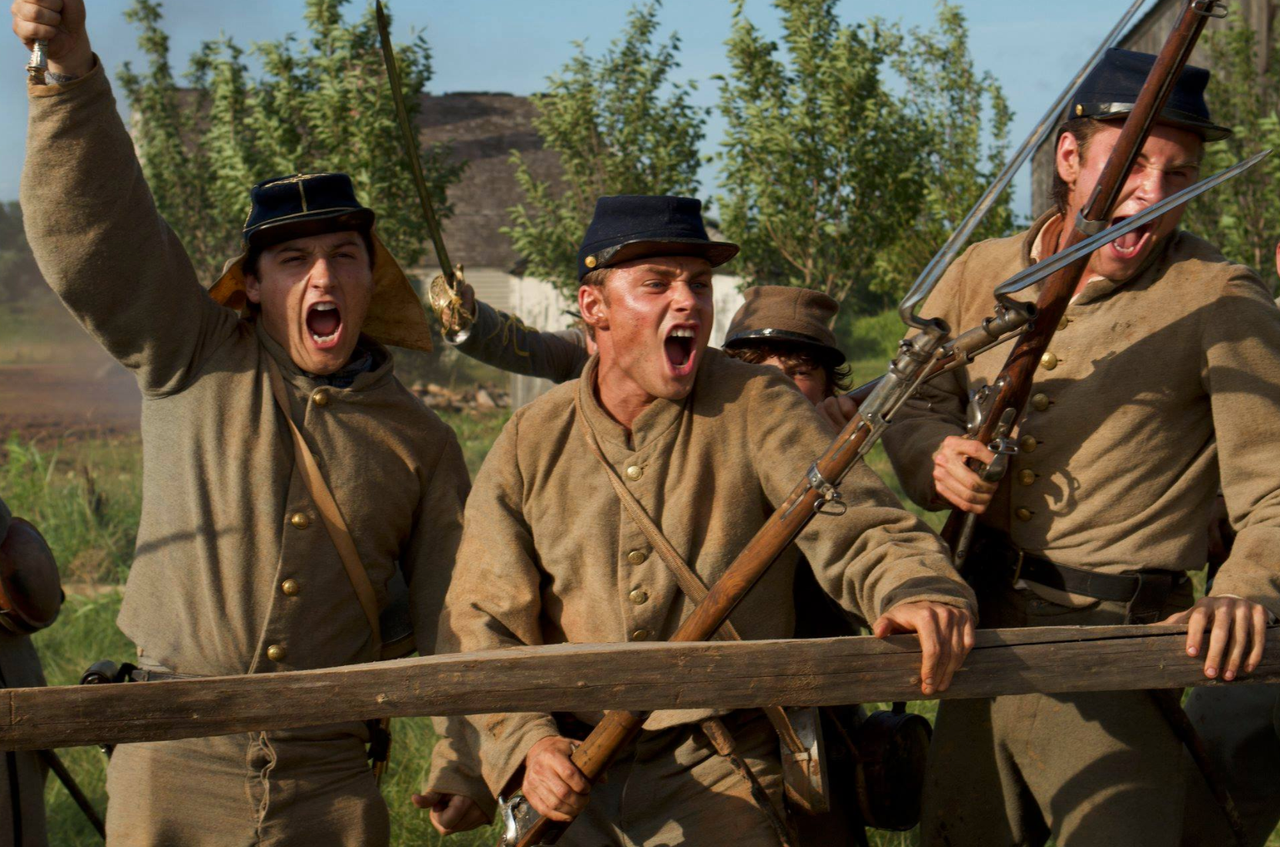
pixel 1130 245
pixel 681 348
pixel 324 324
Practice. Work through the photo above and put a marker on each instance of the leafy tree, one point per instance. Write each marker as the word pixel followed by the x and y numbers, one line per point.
pixel 966 119
pixel 322 105
pixel 620 126
pixel 1243 217
pixel 832 181
pixel 820 165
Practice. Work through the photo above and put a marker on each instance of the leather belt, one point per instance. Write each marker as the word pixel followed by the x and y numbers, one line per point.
pixel 1145 592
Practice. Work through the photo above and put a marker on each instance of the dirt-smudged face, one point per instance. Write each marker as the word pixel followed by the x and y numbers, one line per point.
pixel 652 321
pixel 314 293
pixel 1168 163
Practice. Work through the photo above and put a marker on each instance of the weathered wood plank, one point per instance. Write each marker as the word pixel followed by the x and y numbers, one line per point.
pixel 587 677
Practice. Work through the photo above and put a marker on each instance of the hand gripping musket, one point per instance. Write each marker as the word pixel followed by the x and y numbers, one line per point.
pixel 443 291
pixel 920 357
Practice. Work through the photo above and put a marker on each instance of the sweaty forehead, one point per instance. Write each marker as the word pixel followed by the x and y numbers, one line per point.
pixel 317 243
pixel 667 267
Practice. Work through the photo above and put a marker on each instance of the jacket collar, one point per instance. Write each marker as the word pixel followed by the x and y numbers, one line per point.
pixel 647 429
pixel 381 366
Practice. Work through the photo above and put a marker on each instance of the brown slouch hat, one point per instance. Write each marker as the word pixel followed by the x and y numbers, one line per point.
pixel 782 313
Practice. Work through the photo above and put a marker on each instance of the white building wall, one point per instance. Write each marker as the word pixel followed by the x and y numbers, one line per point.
pixel 539 305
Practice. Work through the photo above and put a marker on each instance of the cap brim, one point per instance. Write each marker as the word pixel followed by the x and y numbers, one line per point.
pixel 308 224
pixel 715 252
pixel 745 339
pixel 1206 130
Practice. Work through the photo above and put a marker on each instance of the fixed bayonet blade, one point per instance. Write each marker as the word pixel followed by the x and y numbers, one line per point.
pixel 1058 261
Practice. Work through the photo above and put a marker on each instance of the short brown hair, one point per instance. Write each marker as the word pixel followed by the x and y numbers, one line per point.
pixel 1083 130
pixel 793 355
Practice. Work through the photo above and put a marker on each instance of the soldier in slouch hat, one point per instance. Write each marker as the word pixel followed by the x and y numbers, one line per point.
pixel 708 447
pixel 273 431
pixel 1163 374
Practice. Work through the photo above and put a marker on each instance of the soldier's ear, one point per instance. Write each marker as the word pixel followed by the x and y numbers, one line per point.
pixel 1067 159
pixel 593 306
pixel 252 288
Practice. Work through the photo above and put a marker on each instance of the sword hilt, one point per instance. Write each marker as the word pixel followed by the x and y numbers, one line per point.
pixel 39 63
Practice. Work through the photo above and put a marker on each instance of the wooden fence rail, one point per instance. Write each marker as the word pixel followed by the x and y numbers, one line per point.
pixel 592 677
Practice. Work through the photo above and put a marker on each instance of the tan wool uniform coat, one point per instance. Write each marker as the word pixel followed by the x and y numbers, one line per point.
pixel 22 774
pixel 1151 390
pixel 234 572
pixel 545 525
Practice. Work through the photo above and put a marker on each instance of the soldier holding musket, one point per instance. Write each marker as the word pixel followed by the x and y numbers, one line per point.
pixel 1165 347
pixel 290 480
pixel 706 447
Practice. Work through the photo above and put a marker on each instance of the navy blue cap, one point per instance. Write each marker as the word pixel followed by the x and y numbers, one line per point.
pixel 288 207
pixel 638 226
pixel 1111 89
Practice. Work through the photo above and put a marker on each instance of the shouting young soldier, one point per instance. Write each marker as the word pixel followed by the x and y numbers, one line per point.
pixel 1165 347
pixel 245 422
pixel 708 447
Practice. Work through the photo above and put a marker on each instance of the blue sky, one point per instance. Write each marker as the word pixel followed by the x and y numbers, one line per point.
pixel 1031 46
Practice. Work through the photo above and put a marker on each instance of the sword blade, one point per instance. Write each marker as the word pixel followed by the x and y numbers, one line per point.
pixel 1058 261
pixel 409 138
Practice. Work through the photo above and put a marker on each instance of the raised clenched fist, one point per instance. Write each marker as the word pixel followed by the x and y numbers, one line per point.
pixel 60 24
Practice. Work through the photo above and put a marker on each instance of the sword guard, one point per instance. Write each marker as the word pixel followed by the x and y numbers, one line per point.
pixel 447 305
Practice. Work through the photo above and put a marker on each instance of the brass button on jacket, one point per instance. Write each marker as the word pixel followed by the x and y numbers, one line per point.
pixel 1026 476
pixel 639 597
pixel 634 472
pixel 1028 444
pixel 320 397
pixel 1048 361
pixel 1023 514
pixel 640 635
pixel 300 520
pixel 1040 402
pixel 289 587
pixel 637 557
pixel 275 653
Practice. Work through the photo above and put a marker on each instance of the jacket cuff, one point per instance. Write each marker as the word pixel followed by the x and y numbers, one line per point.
pixel 508 753
pixel 96 78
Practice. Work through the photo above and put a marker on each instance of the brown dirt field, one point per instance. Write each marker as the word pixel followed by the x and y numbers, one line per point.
pixel 89 398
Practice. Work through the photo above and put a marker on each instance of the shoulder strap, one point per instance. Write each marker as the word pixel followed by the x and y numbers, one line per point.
pixel 688 580
pixel 330 515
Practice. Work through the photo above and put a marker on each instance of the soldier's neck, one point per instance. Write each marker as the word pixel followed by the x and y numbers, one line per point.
pixel 620 397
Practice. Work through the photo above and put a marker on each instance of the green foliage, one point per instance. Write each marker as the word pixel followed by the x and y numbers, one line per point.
pixel 1243 218
pixel 831 180
pixel 620 126
pixel 85 499
pixel 966 119
pixel 819 166
pixel 322 105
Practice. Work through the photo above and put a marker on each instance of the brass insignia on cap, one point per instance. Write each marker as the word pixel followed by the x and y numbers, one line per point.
pixel 590 261
pixel 1079 109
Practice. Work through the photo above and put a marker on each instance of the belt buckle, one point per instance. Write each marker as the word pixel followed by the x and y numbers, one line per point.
pixel 1017 567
